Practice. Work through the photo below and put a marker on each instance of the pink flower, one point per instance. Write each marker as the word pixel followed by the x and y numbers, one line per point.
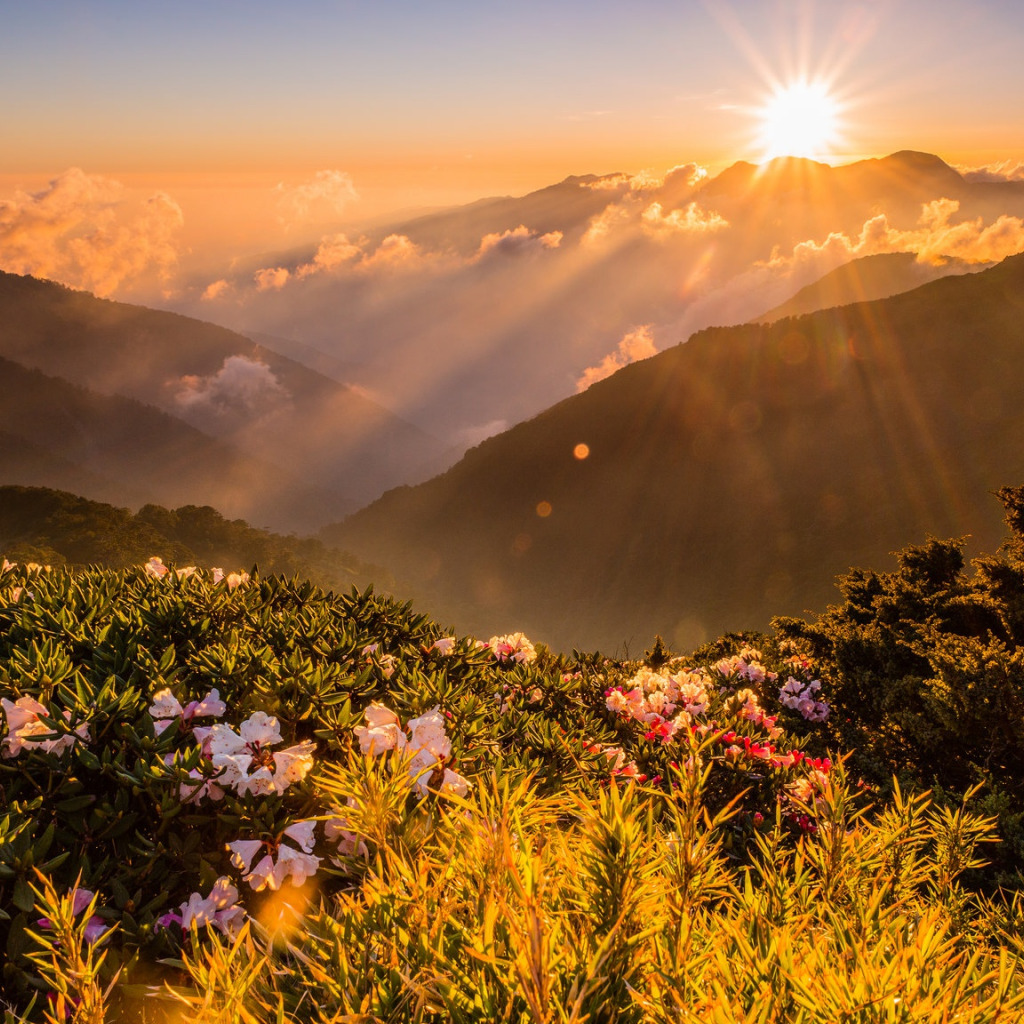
pixel 444 646
pixel 166 708
pixel 513 647
pixel 155 568
pixel 28 730
pixel 95 927
pixel 266 873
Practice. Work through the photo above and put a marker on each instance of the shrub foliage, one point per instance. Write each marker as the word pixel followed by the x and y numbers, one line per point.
pixel 235 799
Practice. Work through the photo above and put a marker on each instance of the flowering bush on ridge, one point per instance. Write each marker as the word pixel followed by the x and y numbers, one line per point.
pixel 379 817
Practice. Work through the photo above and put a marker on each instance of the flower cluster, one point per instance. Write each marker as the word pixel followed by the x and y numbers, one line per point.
pixel 746 666
pixel 799 694
pixel 654 697
pixel 512 648
pixel 219 910
pixel 31 727
pixel 427 747
pixel 247 762
pixel 166 709
pixel 156 570
pixel 280 862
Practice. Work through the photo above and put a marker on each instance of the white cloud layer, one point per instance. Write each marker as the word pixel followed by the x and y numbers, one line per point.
pixel 80 230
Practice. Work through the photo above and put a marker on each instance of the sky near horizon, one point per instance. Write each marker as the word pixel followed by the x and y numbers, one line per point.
pixel 233 107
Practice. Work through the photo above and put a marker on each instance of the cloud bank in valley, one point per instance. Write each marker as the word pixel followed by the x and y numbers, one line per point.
pixel 80 230
pixel 241 384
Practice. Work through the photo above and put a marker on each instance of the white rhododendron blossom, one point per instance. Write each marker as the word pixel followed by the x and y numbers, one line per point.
pixel 382 732
pixel 166 709
pixel 513 647
pixel 6 566
pixel 247 761
pixel 219 910
pixel 26 729
pixel 155 568
pixel 277 865
pixel 233 579
pixel 444 646
pixel 427 745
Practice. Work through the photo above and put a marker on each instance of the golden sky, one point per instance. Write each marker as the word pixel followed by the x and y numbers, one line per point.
pixel 237 109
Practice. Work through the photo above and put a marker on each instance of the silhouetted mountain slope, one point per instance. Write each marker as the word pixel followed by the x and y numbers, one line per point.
pixel 42 524
pixel 121 450
pixel 864 279
pixel 729 478
pixel 221 382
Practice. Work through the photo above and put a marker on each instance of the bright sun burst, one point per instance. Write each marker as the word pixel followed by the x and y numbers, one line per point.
pixel 799 119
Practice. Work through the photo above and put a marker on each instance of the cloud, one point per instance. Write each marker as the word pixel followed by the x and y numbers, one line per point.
pixel 271 278
pixel 520 239
pixel 241 384
pixel 215 290
pixel 611 218
pixel 333 252
pixel 637 344
pixel 397 252
pixel 935 239
pixel 690 220
pixel 81 231
pixel 685 174
pixel 324 197
pixel 1005 170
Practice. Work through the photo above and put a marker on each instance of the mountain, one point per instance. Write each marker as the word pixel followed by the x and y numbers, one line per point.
pixel 266 406
pixel 469 320
pixel 726 479
pixel 863 279
pixel 117 449
pixel 54 527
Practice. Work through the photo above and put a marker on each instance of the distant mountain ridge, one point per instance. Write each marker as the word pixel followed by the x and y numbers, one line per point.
pixel 864 279
pixel 729 478
pixel 294 432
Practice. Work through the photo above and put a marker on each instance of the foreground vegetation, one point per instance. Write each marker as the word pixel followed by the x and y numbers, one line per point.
pixel 226 798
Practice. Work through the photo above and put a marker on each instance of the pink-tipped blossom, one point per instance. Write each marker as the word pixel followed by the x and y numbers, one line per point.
pixel 27 730
pixel 247 762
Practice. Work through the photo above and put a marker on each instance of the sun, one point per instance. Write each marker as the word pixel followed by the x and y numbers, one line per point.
pixel 799 119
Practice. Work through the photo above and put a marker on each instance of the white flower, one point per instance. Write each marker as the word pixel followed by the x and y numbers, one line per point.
pixel 454 783
pixel 27 730
pixel 303 834
pixel 218 910
pixel 248 763
pixel 427 734
pixel 512 647
pixel 444 646
pixel 166 708
pixel 383 731
pixel 155 568
pixel 7 566
pixel 268 874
